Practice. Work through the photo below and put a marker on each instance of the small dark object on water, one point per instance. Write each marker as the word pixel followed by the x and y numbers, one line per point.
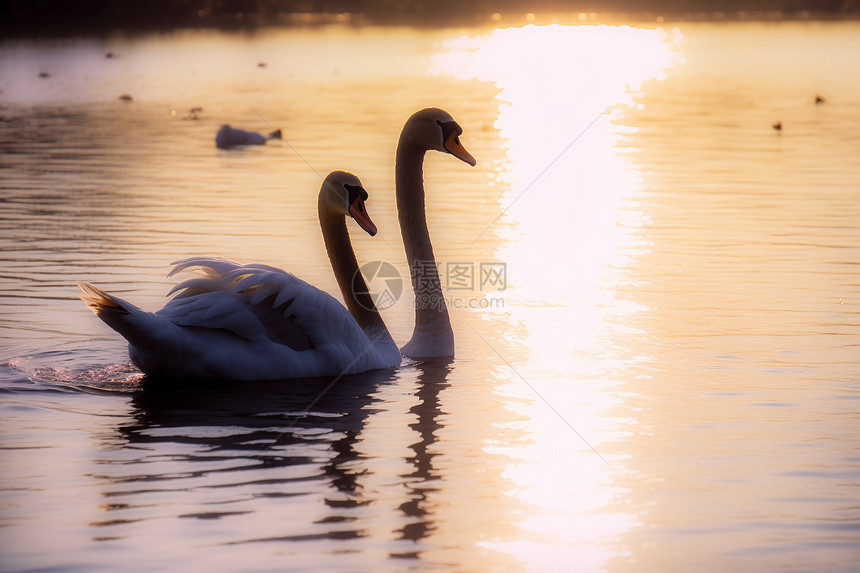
pixel 110 55
pixel 778 126
pixel 261 64
pixel 819 99
pixel 126 97
pixel 192 113
pixel 44 75
pixel 230 137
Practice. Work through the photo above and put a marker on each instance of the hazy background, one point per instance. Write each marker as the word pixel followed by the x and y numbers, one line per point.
pixel 46 16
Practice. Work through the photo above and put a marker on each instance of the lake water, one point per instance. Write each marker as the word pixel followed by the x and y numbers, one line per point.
pixel 655 297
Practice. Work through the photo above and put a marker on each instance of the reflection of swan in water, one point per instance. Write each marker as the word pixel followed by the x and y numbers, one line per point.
pixel 432 379
pixel 282 444
pixel 257 322
pixel 231 137
pixel 244 437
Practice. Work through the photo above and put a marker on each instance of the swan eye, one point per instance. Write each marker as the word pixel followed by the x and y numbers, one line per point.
pixel 449 129
pixel 355 192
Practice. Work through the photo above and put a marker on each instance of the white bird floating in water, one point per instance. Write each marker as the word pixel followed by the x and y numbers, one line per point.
pixel 228 137
pixel 256 322
pixel 430 128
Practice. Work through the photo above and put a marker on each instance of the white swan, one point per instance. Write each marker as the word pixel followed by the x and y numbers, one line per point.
pixel 228 137
pixel 256 322
pixel 429 128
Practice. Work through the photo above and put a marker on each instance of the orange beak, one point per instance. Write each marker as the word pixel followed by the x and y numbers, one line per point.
pixel 359 213
pixel 453 146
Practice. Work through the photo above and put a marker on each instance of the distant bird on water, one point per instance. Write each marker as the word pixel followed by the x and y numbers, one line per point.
pixel 230 137
pixel 777 126
pixel 819 99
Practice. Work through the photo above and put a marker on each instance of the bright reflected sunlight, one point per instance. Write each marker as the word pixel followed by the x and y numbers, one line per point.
pixel 569 229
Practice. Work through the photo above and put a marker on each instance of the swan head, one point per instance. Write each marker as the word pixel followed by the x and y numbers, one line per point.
pixel 434 128
pixel 343 194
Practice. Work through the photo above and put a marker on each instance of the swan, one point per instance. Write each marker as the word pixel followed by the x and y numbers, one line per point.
pixel 256 322
pixel 230 137
pixel 426 129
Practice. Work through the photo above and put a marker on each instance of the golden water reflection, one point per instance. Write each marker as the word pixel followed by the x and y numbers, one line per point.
pixel 569 229
pixel 709 355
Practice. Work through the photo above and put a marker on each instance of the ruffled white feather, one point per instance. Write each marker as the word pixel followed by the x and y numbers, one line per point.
pixel 244 322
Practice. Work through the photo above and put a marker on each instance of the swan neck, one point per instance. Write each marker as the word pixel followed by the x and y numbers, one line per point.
pixel 432 324
pixel 352 285
pixel 409 182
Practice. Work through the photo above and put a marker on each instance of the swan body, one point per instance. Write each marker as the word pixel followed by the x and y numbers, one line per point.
pixel 256 322
pixel 228 137
pixel 427 129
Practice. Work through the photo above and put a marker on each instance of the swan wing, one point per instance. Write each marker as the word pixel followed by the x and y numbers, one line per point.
pixel 242 322
pixel 260 303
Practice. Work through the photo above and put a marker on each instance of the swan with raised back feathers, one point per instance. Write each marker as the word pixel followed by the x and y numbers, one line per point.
pixel 255 322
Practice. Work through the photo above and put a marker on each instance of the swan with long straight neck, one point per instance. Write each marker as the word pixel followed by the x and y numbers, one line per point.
pixel 427 129
pixel 256 322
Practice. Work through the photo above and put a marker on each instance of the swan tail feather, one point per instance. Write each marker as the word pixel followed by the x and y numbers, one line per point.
pixel 101 302
pixel 135 325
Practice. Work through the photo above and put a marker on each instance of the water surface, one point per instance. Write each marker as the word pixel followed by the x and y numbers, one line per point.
pixel 667 379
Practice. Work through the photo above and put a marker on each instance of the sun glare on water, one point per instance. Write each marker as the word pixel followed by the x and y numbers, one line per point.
pixel 570 229
pixel 564 184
